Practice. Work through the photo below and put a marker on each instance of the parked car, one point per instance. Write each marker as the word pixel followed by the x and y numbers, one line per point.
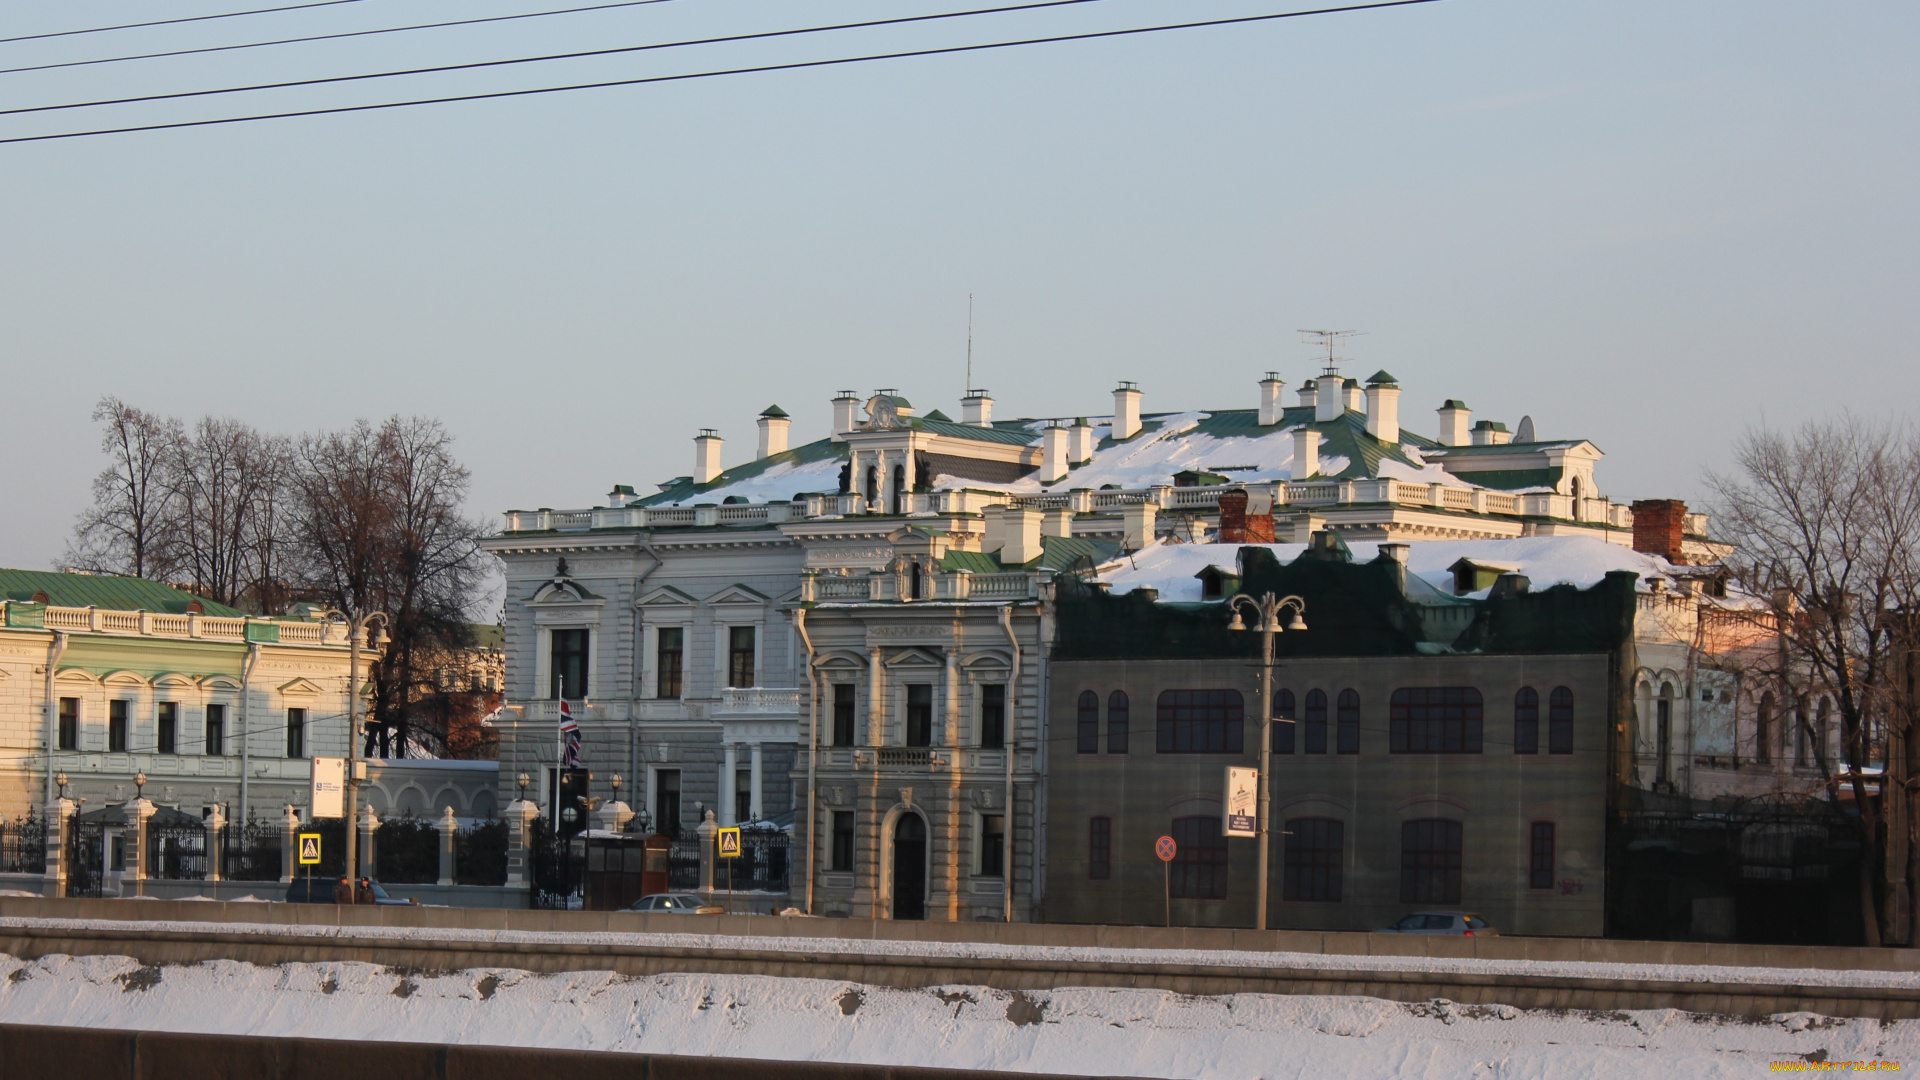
pixel 676 904
pixel 319 890
pixel 1458 923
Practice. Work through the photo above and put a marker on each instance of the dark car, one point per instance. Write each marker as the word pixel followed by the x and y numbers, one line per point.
pixel 1456 923
pixel 320 890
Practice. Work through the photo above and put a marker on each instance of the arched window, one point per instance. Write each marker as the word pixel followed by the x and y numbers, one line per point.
pixel 1314 859
pixel 1663 732
pixel 1283 721
pixel 1119 714
pixel 872 490
pixel 1348 735
pixel 1316 733
pixel 1763 730
pixel 1430 861
pixel 1560 721
pixel 1526 721
pixel 1089 726
pixel 898 504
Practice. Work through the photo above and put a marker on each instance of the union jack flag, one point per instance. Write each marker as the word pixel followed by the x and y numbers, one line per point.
pixel 569 737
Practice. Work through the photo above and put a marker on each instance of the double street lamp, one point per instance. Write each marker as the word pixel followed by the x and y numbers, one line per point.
pixel 1266 611
pixel 356 629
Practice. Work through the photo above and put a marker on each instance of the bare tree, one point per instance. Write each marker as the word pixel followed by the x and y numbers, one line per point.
pixel 130 528
pixel 380 527
pixel 1825 519
pixel 223 478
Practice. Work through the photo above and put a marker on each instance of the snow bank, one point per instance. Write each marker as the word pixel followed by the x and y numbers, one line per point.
pixel 1080 1030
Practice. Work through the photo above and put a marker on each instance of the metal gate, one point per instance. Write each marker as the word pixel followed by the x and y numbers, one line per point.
pixel 86 856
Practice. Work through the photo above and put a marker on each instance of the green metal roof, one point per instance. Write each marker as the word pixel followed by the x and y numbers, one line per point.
pixel 774 411
pixel 1453 403
pixel 1056 553
pixel 1381 378
pixel 106 591
pixel 1509 448
pixel 1014 433
pixel 683 487
pixel 938 415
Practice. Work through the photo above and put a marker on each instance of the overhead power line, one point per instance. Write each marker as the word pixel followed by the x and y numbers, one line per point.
pixel 792 66
pixel 475 64
pixel 330 37
pixel 182 19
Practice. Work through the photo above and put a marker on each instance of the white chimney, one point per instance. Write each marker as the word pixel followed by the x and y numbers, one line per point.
pixel 1383 408
pixel 1022 537
pixel 846 414
pixel 1136 524
pixel 1270 403
pixel 1491 433
pixel 1080 442
pixel 994 536
pixel 1307 395
pixel 1126 411
pixel 1056 522
pixel 1329 400
pixel 773 432
pixel 706 456
pixel 1053 454
pixel 1306 453
pixel 1356 399
pixel 976 409
pixel 1454 419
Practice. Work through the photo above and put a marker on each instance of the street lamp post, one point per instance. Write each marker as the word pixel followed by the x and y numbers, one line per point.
pixel 1266 611
pixel 356 628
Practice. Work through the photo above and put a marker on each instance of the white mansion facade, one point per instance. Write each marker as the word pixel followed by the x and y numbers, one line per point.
pixel 850 635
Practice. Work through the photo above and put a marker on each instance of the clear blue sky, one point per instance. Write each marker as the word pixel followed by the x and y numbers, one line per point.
pixel 1645 223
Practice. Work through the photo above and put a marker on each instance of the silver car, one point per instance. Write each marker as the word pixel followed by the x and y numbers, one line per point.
pixel 675 904
pixel 1456 923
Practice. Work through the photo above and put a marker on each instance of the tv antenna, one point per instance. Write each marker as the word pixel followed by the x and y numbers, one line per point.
pixel 1330 340
pixel 969 343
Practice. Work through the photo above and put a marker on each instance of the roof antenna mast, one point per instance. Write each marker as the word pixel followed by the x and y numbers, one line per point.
pixel 1330 340
pixel 969 387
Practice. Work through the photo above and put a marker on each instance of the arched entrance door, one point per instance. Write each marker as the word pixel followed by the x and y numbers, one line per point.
pixel 910 867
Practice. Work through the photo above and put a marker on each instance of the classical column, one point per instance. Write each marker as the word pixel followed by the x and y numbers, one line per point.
pixel 727 784
pixel 449 837
pixel 952 736
pixel 876 699
pixel 754 788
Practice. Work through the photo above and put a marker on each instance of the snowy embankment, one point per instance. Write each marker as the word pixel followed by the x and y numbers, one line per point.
pixel 1075 1031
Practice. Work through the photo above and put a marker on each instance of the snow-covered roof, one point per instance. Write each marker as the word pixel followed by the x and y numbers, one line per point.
pixel 1545 560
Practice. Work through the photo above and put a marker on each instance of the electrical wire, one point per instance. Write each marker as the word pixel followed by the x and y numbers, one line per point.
pixel 475 64
pixel 793 66
pixel 331 37
pixel 183 19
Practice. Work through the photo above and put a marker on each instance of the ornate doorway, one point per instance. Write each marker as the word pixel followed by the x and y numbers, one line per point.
pixel 910 867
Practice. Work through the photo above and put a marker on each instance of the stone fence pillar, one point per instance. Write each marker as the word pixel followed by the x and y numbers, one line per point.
pixel 708 827
pixel 521 814
pixel 59 842
pixel 449 837
pixel 216 826
pixel 369 830
pixel 289 844
pixel 138 811
pixel 613 816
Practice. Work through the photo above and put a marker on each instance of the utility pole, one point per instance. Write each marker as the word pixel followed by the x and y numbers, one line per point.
pixel 356 628
pixel 1266 611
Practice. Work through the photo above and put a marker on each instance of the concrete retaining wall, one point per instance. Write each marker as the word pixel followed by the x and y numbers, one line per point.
pixel 475 896
pixel 34 1053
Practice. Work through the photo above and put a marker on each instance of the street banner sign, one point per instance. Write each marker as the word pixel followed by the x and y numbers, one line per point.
pixel 1243 787
pixel 309 849
pixel 729 840
pixel 329 788
pixel 1165 848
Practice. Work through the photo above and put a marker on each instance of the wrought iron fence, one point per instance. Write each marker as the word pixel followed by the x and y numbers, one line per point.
pixel 86 857
pixel 761 866
pixel 407 851
pixel 23 845
pixel 683 861
pixel 557 868
pixel 177 852
pixel 480 854
pixel 250 850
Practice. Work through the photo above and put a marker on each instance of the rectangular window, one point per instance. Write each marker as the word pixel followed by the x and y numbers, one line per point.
pixel 1199 869
pixel 216 730
pixel 69 723
pixel 993 716
pixel 1348 731
pixel 296 733
pixel 1199 722
pixel 1100 848
pixel 168 727
pixel 919 714
pixel 1434 720
pixel 739 656
pixel 1430 862
pixel 569 669
pixel 1540 866
pixel 1087 724
pixel 843 704
pixel 1314 867
pixel 117 726
pixel 842 841
pixel 743 795
pixel 993 845
pixel 666 801
pixel 668 662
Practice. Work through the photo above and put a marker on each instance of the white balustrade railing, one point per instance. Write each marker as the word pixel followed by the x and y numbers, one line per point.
pixel 761 700
pixel 190 625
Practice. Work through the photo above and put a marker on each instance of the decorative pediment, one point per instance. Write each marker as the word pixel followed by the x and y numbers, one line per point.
pixel 564 591
pixel 221 682
pixel 739 594
pixel 123 678
pixel 840 661
pixel 300 686
pixel 987 658
pixel 74 675
pixel 173 680
pixel 909 658
pixel 665 596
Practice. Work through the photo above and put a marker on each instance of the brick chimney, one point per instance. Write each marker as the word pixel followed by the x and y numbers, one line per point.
pixel 1237 526
pixel 1658 527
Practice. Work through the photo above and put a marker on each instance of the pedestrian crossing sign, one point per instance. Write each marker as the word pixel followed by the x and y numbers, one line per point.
pixel 309 848
pixel 729 839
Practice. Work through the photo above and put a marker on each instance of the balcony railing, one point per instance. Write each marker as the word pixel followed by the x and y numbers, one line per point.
pixel 760 701
pixel 90 620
